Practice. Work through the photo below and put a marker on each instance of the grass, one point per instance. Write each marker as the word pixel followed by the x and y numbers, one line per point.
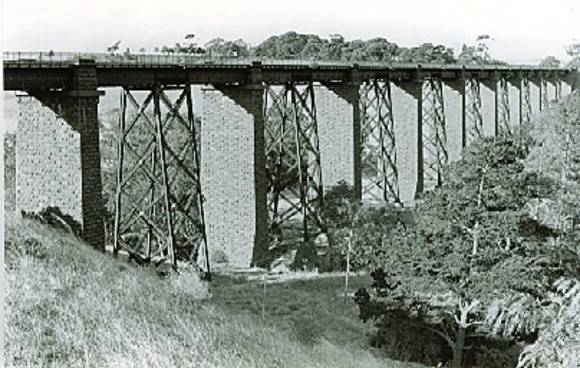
pixel 311 310
pixel 70 306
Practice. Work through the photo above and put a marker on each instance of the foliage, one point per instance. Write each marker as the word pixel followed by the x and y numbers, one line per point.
pixel 294 45
pixel 114 47
pixel 427 53
pixel 550 61
pixel 556 153
pixel 479 53
pixel 377 230
pixel 290 45
pixel 558 345
pixel 336 48
pixel 473 243
pixel 339 205
pixel 574 52
pixel 221 47
pixel 370 229
pixel 53 216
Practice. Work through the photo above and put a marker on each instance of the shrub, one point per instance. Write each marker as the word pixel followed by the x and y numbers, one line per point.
pixel 53 216
pixel 472 245
pixel 16 249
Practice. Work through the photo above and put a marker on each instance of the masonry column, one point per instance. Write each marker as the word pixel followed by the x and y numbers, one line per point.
pixel 48 161
pixel 566 88
pixel 454 107
pixel 525 108
pixel 233 174
pixel 489 106
pixel 339 132
pixel 514 98
pixel 70 131
pixel 551 91
pixel 535 96
pixel 568 82
pixel 406 97
pixel 543 86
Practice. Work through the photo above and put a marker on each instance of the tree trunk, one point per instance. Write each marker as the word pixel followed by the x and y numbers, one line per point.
pixel 458 348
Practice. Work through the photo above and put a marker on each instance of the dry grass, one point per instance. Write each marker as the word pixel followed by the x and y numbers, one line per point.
pixel 69 306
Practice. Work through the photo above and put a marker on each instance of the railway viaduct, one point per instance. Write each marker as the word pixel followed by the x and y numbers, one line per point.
pixel 274 135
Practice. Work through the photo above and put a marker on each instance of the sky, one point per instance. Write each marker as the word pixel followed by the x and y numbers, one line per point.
pixel 522 31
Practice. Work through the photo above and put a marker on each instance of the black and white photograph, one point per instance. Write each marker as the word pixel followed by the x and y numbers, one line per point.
pixel 296 184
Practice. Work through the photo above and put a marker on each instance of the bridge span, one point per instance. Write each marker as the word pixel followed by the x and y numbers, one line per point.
pixel 273 137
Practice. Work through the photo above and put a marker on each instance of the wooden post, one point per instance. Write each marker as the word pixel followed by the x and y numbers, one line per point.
pixel 347 265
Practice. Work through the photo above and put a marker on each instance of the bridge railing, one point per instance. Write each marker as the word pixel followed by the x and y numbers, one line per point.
pixel 50 58
pixel 59 58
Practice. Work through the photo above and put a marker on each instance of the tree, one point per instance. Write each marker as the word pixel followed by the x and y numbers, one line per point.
pixel 333 50
pixel 223 48
pixel 289 45
pixel 191 46
pixel 574 52
pixel 312 48
pixel 556 153
pixel 550 61
pixel 473 244
pixel 428 53
pixel 114 48
pixel 478 53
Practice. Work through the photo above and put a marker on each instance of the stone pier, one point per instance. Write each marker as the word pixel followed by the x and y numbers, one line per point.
pixel 454 107
pixel 339 132
pixel 58 156
pixel 233 176
pixel 406 97
pixel 489 106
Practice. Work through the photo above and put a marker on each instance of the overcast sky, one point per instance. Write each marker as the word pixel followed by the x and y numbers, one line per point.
pixel 523 31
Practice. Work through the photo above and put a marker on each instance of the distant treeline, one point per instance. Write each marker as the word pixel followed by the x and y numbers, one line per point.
pixel 293 45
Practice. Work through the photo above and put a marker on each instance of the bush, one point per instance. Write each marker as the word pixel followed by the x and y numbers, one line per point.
pixel 53 216
pixel 16 249
pixel 472 244
pixel 376 231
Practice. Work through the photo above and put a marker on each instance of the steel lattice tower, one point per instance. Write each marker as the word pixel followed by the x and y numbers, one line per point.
pixel 158 202
pixel 379 158
pixel 293 158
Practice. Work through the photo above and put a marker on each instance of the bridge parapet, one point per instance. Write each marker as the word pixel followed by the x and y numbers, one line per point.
pixel 48 58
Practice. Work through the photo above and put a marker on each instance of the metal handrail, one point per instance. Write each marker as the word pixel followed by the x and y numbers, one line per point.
pixel 59 58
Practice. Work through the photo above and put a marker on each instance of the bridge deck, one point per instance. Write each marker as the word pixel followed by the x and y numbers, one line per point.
pixel 47 70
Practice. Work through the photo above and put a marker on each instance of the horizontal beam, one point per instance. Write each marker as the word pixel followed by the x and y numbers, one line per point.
pixel 46 74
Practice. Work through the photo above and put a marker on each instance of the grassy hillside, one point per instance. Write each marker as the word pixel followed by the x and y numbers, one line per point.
pixel 69 306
